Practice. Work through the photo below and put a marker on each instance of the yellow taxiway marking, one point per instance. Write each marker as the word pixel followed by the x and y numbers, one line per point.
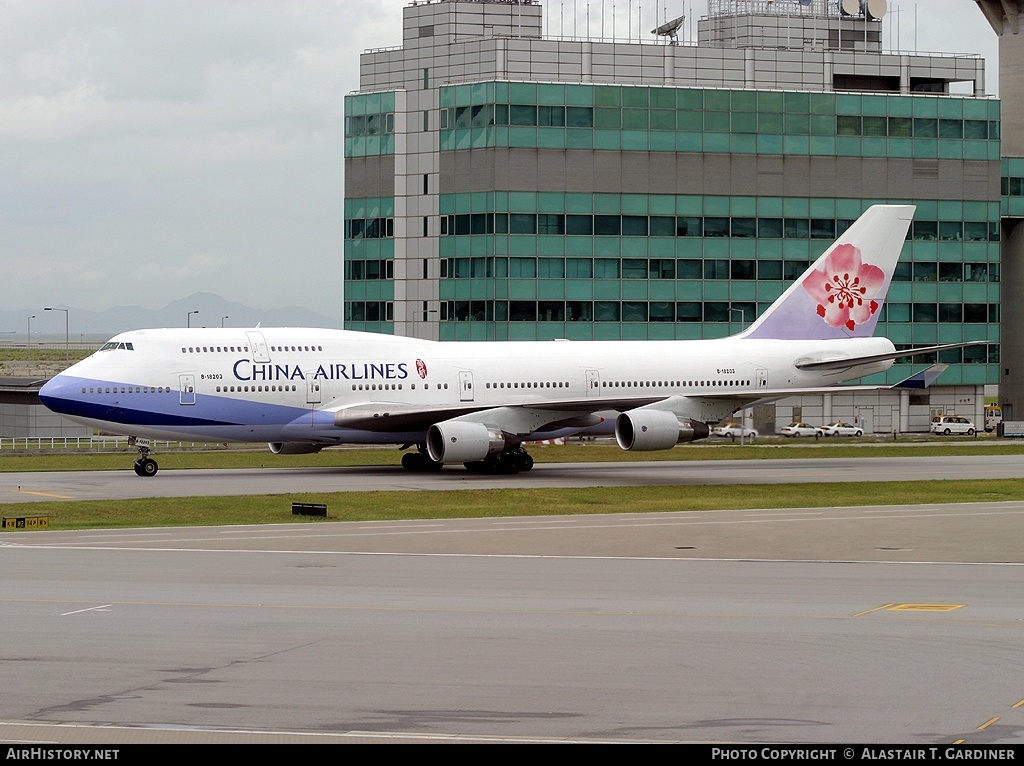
pixel 42 494
pixel 988 723
pixel 876 609
pixel 894 607
pixel 926 607
pixel 1018 704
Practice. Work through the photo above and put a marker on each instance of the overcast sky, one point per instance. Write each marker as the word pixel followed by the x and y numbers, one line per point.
pixel 151 149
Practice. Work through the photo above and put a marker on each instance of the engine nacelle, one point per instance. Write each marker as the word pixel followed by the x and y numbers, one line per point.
pixel 294 448
pixel 457 441
pixel 645 430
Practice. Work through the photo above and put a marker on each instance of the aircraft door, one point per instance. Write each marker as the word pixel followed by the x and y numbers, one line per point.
pixel 187 389
pixel 258 345
pixel 313 395
pixel 465 386
pixel 762 378
pixel 593 383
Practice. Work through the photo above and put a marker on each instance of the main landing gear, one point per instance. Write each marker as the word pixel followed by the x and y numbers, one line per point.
pixel 144 464
pixel 510 462
pixel 419 461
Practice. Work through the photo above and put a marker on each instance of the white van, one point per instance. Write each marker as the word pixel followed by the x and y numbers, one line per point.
pixel 952 424
pixel 993 416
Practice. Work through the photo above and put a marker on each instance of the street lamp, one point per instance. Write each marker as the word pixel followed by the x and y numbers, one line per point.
pixel 28 337
pixel 67 337
pixel 222 321
pixel 189 318
pixel 743 315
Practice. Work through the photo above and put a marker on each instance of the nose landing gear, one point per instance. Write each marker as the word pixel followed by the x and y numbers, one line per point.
pixel 144 464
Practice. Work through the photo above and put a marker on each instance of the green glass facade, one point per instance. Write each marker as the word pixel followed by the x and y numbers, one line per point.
pixel 369 264
pixel 369 124
pixel 614 118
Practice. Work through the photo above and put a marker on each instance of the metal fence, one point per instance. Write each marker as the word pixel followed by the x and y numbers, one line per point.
pixel 85 443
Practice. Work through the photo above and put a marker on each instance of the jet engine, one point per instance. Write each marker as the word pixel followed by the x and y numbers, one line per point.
pixel 458 441
pixel 294 448
pixel 644 430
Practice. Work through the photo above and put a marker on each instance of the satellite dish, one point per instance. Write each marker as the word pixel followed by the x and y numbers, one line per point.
pixel 877 9
pixel 850 7
pixel 669 29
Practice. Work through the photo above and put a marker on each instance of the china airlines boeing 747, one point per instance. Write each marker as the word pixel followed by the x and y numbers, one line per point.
pixel 302 390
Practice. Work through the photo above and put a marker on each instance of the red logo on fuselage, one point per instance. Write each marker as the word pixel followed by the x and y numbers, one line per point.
pixel 421 368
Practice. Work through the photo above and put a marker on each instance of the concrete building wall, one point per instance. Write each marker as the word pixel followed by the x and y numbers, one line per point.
pixel 18 420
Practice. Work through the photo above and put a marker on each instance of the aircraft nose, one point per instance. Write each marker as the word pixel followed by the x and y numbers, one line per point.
pixel 57 393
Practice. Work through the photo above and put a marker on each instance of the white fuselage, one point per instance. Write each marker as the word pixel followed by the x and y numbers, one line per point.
pixel 308 385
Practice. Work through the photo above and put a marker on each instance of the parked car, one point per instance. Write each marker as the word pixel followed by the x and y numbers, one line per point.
pixel 799 428
pixel 952 424
pixel 840 428
pixel 734 430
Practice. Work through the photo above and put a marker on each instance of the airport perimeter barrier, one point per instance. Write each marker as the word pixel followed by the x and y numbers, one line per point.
pixel 95 443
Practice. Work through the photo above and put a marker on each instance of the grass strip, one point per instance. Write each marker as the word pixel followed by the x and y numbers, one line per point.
pixel 569 453
pixel 384 506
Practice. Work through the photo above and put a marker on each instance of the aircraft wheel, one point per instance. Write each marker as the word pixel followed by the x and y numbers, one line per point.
pixel 419 462
pixel 527 462
pixel 147 467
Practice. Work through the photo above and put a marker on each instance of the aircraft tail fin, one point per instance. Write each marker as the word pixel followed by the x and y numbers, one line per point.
pixel 840 295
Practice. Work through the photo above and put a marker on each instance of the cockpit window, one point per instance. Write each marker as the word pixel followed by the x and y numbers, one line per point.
pixel 110 346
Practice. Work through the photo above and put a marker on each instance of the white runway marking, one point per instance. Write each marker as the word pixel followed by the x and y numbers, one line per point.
pixel 103 608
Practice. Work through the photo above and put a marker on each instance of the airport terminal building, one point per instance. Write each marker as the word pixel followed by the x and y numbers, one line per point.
pixel 503 184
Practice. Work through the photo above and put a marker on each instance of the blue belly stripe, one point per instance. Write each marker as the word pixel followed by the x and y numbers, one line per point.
pixel 64 394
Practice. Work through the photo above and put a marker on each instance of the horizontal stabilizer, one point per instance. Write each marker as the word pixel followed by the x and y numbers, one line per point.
pixel 852 361
pixel 924 378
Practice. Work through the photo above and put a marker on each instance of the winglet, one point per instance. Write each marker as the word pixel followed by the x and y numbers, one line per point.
pixel 841 294
pixel 922 379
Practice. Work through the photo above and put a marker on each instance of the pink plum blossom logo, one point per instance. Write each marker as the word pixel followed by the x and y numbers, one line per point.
pixel 421 369
pixel 845 287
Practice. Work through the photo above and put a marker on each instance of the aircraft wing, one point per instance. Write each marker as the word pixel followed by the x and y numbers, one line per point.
pixel 395 416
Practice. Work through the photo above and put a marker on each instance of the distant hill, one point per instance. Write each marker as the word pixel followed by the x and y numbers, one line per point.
pixel 211 308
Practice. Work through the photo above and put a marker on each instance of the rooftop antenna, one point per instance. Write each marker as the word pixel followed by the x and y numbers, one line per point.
pixel 876 9
pixel 669 29
pixel 873 10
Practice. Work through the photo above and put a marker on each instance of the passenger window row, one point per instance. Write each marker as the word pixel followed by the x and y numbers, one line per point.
pixel 533 384
pixel 256 389
pixel 126 390
pixel 214 349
